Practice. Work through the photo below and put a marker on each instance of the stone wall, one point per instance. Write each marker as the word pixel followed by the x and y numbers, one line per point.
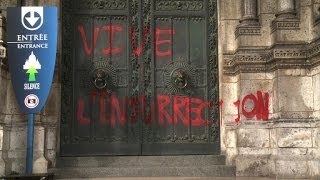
pixel 270 70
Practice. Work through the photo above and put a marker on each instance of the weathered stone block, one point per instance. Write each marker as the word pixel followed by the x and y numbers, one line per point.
pixel 255 166
pixel 230 79
pixel 314 71
pixel 316 137
pixel 232 9
pixel 314 153
pixel 52 120
pixel 51 157
pixel 229 39
pixel 316 114
pixel 231 154
pixel 253 76
pixel 39 138
pixel 306 20
pixel 268 7
pixel 51 138
pixel 253 138
pixel 295 94
pixel 40 165
pixel 2 162
pixel 18 138
pixel 17 165
pixel 293 72
pixel 229 119
pixel 291 169
pixel 230 139
pixel 254 151
pixel 273 138
pixel 275 98
pixel 314 168
pixel 12 105
pixel 2 166
pixel 253 86
pixel 229 95
pixel 3 93
pixel 316 87
pixel 294 137
pixel 291 152
pixel 250 40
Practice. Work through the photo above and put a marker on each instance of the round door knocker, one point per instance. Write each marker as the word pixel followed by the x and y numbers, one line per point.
pixel 179 78
pixel 100 79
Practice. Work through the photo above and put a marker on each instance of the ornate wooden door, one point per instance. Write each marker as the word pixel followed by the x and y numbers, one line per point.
pixel 139 77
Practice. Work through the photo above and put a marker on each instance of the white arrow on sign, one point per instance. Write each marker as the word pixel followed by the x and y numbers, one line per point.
pixel 32 20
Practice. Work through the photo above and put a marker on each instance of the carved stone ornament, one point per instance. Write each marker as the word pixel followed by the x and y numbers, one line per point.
pixel 103 76
pixel 276 58
pixel 174 5
pixel 101 4
pixel 293 24
pixel 179 78
pixel 247 30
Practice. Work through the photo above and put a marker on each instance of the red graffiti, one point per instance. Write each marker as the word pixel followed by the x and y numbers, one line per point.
pixel 116 30
pixel 259 110
pixel 80 113
pixel 138 50
pixel 259 107
pixel 163 102
pixel 112 30
pixel 186 110
pixel 159 42
pixel 88 48
pixel 237 104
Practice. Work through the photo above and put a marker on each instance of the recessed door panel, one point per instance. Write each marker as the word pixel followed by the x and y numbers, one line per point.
pixel 139 78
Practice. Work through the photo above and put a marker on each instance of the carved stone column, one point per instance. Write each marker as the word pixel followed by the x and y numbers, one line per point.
pixel 249 23
pixel 286 9
pixel 316 22
pixel 248 33
pixel 285 28
pixel 249 13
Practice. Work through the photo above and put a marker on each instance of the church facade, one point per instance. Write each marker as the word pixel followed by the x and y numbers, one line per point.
pixel 142 77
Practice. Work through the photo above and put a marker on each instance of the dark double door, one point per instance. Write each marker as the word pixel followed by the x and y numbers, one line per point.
pixel 139 77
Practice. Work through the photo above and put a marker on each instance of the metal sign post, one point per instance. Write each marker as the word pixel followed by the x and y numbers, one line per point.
pixel 29 162
pixel 32 46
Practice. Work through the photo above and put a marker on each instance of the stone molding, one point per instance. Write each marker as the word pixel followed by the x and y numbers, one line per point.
pixel 247 30
pixel 278 57
pixel 274 123
pixel 289 24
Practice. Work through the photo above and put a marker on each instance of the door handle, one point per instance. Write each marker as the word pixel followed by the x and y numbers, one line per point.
pixel 100 79
pixel 180 79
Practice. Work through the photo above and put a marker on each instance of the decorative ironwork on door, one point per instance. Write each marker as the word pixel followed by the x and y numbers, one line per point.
pixel 139 77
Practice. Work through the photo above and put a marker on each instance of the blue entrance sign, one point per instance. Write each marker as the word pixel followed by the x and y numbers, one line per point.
pixel 32 46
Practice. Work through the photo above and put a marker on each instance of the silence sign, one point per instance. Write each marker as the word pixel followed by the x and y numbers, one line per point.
pixel 32 46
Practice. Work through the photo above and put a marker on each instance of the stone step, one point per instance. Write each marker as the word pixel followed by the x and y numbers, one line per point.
pixel 101 172
pixel 142 161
